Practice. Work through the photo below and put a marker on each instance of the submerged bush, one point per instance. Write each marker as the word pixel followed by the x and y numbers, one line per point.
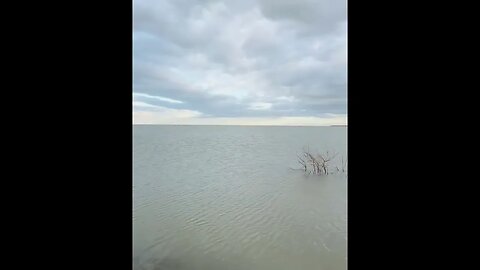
pixel 319 163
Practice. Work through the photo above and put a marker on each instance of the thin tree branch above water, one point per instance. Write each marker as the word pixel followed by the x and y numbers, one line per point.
pixel 319 163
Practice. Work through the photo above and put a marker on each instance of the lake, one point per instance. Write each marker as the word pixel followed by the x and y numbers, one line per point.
pixel 229 197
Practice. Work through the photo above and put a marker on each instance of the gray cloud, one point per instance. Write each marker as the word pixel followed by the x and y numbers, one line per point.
pixel 319 16
pixel 254 58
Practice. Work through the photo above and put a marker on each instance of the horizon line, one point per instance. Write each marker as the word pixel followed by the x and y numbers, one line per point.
pixel 145 124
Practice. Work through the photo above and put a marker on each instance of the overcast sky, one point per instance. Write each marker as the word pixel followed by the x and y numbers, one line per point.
pixel 253 62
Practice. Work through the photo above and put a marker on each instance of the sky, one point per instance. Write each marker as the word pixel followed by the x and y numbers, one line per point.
pixel 240 62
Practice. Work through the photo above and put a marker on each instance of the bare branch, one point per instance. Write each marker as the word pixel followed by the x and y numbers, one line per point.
pixel 319 163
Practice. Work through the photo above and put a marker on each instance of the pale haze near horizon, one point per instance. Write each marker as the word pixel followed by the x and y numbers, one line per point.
pixel 253 62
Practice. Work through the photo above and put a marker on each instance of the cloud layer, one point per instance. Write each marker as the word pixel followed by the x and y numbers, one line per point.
pixel 257 61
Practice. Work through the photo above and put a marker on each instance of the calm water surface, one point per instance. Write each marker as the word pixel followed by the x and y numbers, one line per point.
pixel 224 197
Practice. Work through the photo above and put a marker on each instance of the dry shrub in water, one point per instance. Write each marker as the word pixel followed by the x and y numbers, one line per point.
pixel 318 163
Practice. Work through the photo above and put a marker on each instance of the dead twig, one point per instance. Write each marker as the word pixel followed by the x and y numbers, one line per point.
pixel 318 164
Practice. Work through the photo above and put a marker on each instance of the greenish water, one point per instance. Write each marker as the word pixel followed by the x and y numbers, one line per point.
pixel 224 197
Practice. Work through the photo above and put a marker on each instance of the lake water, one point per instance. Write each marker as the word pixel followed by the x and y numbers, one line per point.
pixel 225 197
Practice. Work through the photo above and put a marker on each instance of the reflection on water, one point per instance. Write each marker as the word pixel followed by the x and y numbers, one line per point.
pixel 225 198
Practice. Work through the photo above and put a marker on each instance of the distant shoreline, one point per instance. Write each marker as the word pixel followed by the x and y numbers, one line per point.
pixel 239 125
